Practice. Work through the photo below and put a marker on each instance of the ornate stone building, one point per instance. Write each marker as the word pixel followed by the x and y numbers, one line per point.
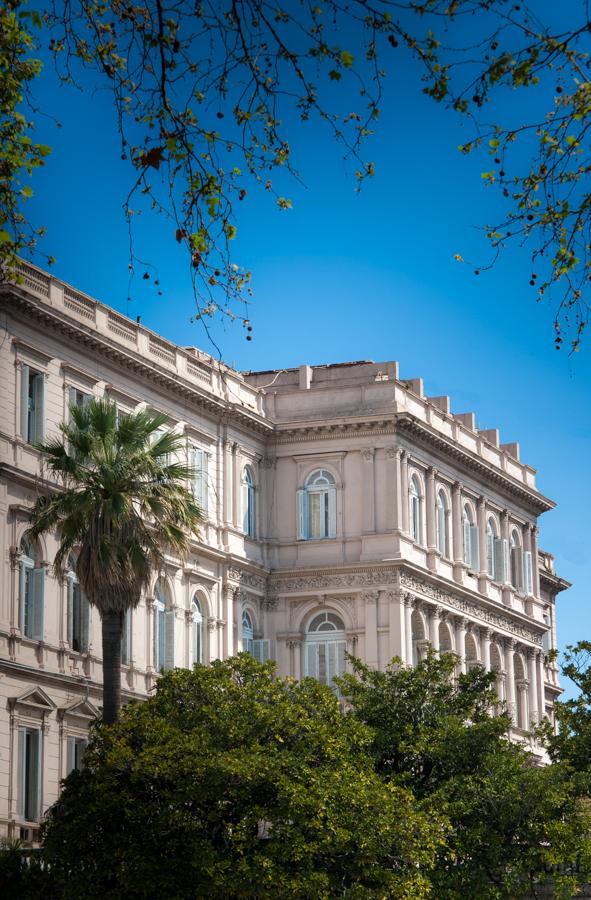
pixel 344 510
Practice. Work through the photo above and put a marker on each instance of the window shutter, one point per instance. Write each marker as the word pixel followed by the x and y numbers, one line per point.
pixel 312 659
pixel 527 572
pixel 71 755
pixel 126 638
pixel 23 586
pixel 159 639
pixel 35 774
pixel 302 514
pixel 499 561
pixel 22 771
pixel 71 401
pixel 25 403
pixel 70 584
pixel 474 554
pixel 84 623
pixel 332 512
pixel 39 408
pixel 245 509
pixel 467 559
pixel 38 604
pixel 517 567
pixel 260 650
pixel 332 655
pixel 169 629
pixel 342 660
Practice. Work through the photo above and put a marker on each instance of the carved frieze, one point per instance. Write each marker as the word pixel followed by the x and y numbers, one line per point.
pixel 331 582
pixel 249 579
pixel 471 608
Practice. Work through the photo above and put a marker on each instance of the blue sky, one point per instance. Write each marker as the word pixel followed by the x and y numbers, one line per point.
pixel 355 276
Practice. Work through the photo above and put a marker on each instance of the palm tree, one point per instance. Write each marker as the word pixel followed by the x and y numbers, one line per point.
pixel 123 504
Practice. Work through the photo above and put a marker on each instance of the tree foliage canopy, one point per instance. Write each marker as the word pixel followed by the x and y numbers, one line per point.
pixel 207 98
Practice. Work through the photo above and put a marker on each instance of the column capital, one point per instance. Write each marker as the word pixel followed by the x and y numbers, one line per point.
pixel 461 622
pixel 367 454
pixel 431 472
pixel 509 643
pixel 409 600
pixel 486 633
pixel 392 451
pixel 481 502
pixel 435 612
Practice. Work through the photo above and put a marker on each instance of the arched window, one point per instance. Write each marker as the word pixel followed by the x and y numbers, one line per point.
pixel 197 626
pixel 442 524
pixel 492 552
pixel 163 627
pixel 248 507
pixel 516 560
pixel 414 498
pixel 247 632
pixel 31 590
pixel 325 648
pixel 78 611
pixel 470 532
pixel 317 507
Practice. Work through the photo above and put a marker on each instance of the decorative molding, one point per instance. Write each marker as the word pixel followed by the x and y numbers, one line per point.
pixel 248 579
pixel 316 582
pixel 470 608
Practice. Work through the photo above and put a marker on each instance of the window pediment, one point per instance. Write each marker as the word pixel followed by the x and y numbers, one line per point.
pixel 33 699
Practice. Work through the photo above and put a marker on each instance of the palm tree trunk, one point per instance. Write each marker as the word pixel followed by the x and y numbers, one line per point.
pixel 111 628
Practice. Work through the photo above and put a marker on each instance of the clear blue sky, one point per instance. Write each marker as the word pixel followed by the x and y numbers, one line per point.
pixel 346 276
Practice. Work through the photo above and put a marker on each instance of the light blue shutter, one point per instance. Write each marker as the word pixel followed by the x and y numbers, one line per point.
pixel 23 590
pixel 71 401
pixel 39 407
pixel 25 403
pixel 245 509
pixel 527 572
pixel 22 771
pixel 517 558
pixel 474 553
pixel 38 603
pixel 332 512
pixel 302 514
pixel 169 646
pixel 159 639
pixel 500 559
pixel 70 611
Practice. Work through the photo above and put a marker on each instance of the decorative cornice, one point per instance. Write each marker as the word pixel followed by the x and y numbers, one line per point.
pixel 247 579
pixel 470 608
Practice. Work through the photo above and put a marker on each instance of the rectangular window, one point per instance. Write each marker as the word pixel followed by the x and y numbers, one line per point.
pixel 75 753
pixel 32 585
pixel 77 397
pixel 32 405
pixel 261 649
pixel 200 466
pixel 126 639
pixel 78 618
pixel 29 799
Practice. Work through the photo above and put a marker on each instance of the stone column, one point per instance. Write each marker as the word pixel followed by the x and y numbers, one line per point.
pixel 393 492
pixel 371 628
pixel 227 599
pixel 295 658
pixel 188 636
pixel 215 652
pixel 540 684
pixel 430 510
pixel 408 608
pixel 227 487
pixel 534 561
pixel 434 620
pixel 235 485
pixel 483 578
pixel 460 628
pixel 522 697
pixel 533 687
pixel 368 480
pixel 456 519
pixel 510 678
pixel 149 634
pixel 485 640
pixel 404 490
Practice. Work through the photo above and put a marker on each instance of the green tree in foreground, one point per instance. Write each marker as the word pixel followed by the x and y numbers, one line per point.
pixel 122 506
pixel 233 783
pixel 572 744
pixel 510 819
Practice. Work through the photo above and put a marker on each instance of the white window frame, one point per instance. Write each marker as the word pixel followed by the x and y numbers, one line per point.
pixel 415 509
pixel 318 498
pixel 30 772
pixel 442 510
pixel 199 462
pixel 248 503
pixel 164 621
pixel 32 404
pixel 78 613
pixel 75 749
pixel 324 650
pixel 470 538
pixel 31 593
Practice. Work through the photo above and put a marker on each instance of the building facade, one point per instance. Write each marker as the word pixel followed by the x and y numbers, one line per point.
pixel 343 511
